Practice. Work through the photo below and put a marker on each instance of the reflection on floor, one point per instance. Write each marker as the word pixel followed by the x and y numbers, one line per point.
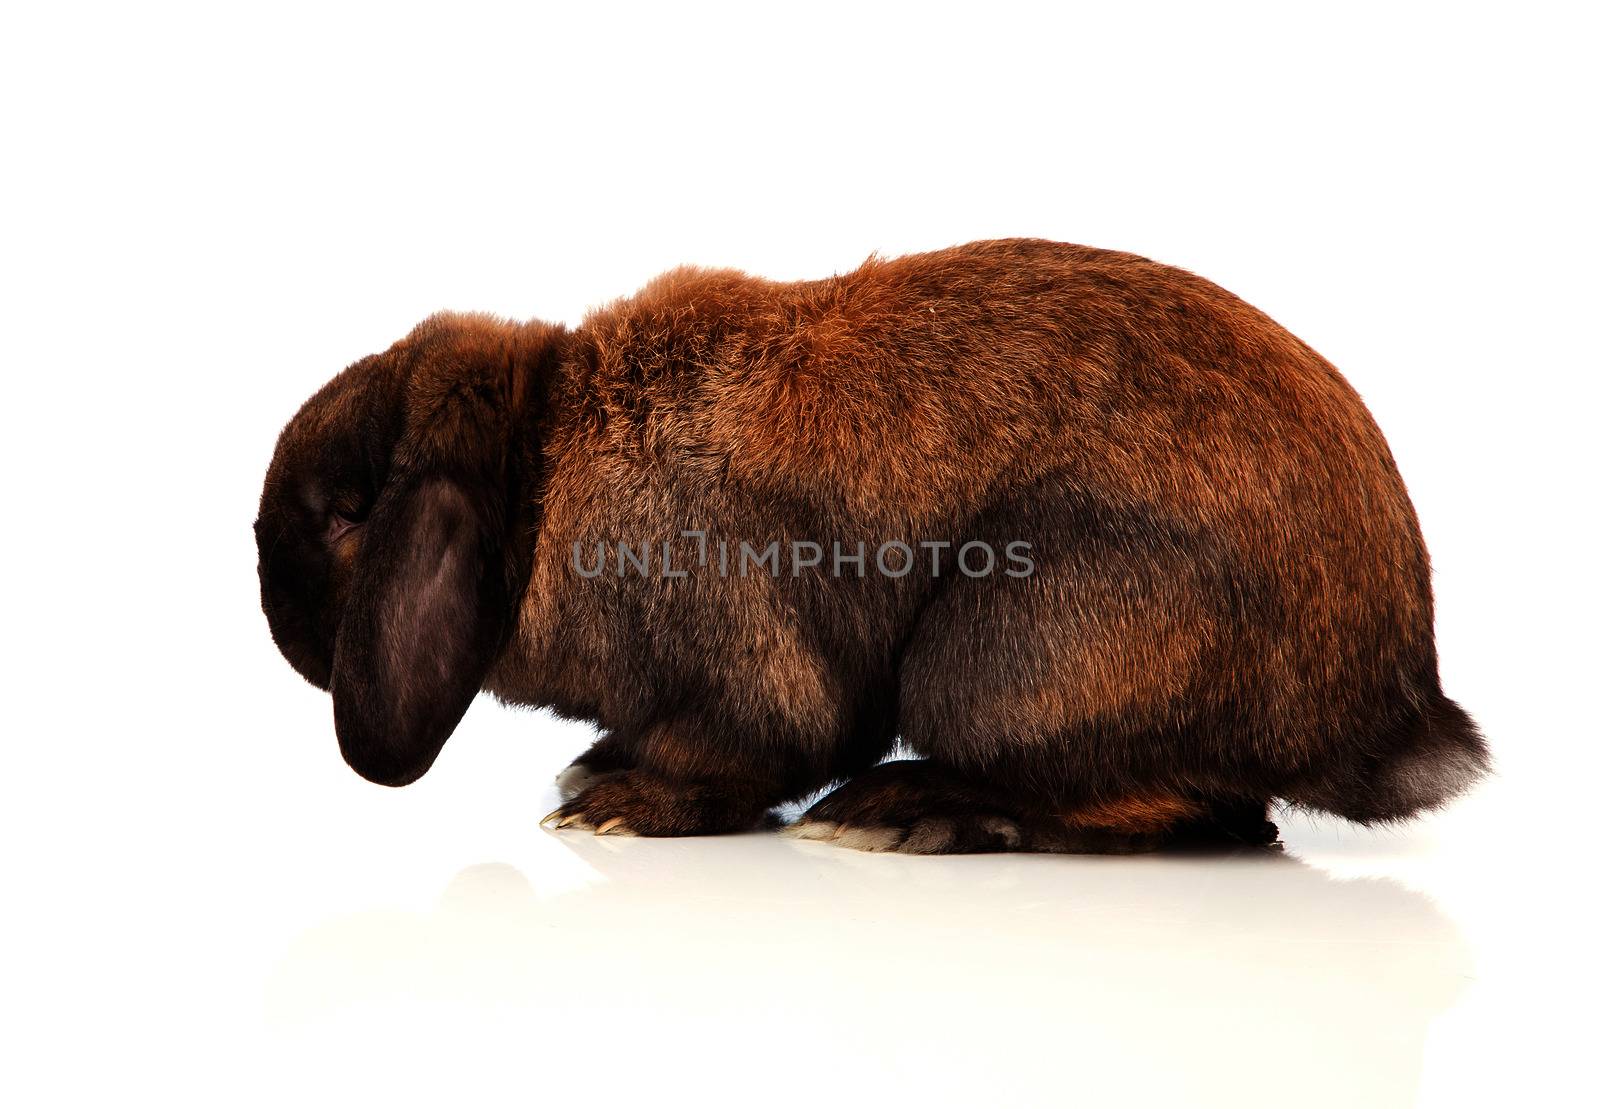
pixel 766 970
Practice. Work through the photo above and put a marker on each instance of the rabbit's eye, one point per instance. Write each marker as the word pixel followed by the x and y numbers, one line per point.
pixel 340 523
pixel 349 506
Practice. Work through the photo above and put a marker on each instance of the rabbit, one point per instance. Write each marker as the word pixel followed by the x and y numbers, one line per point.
pixel 1181 581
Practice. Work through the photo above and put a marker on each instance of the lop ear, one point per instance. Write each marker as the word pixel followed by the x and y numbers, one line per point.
pixel 423 621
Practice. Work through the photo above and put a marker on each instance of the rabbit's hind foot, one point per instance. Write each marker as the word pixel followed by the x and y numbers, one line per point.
pixel 911 806
pixel 923 807
pixel 574 780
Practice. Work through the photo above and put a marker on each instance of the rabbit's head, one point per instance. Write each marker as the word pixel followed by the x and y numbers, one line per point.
pixel 385 572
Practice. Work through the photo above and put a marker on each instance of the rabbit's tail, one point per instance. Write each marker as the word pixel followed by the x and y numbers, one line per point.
pixel 1434 757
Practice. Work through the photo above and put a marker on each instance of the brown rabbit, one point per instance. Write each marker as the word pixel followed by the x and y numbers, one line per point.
pixel 1121 559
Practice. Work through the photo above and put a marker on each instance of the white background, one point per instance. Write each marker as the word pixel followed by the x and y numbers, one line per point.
pixel 209 210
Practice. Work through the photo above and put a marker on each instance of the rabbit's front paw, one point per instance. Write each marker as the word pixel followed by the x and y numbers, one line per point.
pixel 640 803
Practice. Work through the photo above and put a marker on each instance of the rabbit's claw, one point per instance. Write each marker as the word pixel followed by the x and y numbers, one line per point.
pixel 641 803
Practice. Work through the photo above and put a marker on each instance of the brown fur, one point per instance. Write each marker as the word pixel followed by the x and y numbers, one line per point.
pixel 1137 814
pixel 1231 600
